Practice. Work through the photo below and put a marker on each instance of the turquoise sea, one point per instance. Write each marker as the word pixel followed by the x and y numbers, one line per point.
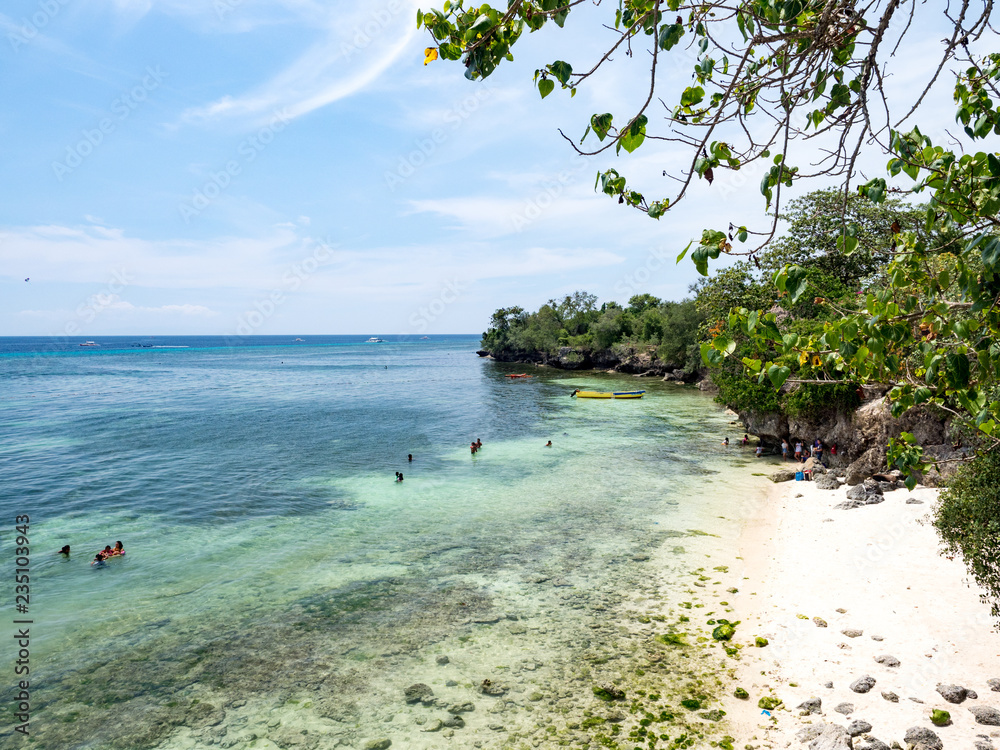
pixel 281 590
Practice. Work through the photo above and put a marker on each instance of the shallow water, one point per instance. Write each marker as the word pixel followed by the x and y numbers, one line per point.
pixel 281 590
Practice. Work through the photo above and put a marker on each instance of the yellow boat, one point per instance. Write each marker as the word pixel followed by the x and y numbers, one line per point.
pixel 605 394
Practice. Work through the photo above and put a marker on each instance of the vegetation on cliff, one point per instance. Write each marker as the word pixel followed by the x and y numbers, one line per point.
pixel 669 329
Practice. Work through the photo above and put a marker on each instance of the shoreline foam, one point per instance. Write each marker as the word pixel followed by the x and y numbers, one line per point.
pixel 875 569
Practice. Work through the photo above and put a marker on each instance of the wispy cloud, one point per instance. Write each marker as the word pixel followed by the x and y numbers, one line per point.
pixel 354 51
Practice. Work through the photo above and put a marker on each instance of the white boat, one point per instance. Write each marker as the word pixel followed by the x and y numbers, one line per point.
pixel 375 340
pixel 88 343
pixel 298 340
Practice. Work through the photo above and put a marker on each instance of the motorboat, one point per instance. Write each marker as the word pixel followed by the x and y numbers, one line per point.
pixel 375 340
pixel 89 343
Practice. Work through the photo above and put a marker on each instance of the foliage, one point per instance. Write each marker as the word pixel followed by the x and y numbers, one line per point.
pixel 810 398
pixel 769 76
pixel 670 328
pixel 968 521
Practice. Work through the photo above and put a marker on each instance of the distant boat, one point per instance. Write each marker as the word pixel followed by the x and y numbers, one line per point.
pixel 299 339
pixel 424 337
pixel 521 375
pixel 605 394
pixel 89 343
pixel 375 340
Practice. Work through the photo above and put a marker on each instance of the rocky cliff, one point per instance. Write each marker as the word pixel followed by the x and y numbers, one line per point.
pixel 862 436
pixel 633 360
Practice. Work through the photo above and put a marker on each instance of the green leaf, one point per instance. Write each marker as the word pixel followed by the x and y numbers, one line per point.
pixel 684 251
pixel 778 375
pixel 635 135
pixel 545 87
pixel 601 124
pixel 692 95
pixel 561 70
pixel 795 283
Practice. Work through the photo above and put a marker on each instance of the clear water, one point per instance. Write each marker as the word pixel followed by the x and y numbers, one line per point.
pixel 280 590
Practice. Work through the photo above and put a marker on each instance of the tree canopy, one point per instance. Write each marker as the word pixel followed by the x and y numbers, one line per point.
pixel 800 86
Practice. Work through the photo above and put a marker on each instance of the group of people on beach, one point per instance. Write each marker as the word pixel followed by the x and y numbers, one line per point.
pixel 802 452
pixel 105 554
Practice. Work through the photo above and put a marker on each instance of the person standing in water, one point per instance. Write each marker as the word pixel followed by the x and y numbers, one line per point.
pixel 409 457
pixel 64 551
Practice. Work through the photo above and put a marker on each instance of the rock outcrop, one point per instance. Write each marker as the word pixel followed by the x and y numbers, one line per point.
pixel 633 360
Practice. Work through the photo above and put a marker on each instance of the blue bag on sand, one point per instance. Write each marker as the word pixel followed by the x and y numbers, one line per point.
pixel 799 476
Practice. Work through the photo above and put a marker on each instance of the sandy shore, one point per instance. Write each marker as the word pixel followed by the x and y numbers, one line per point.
pixel 874 570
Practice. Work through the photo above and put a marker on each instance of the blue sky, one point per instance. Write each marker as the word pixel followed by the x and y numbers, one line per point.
pixel 291 166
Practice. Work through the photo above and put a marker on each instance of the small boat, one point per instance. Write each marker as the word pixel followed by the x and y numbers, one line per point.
pixel 298 340
pixel 521 375
pixel 375 340
pixel 606 394
pixel 88 343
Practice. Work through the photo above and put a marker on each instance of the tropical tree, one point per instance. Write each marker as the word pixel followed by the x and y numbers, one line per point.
pixel 780 83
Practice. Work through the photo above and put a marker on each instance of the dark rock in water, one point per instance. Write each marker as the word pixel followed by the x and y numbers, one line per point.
pixel 811 706
pixel 890 696
pixel 986 715
pixel 863 684
pixel 833 737
pixel 442 660
pixel 919 738
pixel 454 722
pixel 378 744
pixel 889 661
pixel 436 725
pixel 853 632
pixel 489 687
pixel 451 683
pixel 460 708
pixel 869 743
pixel 714 715
pixel 858 726
pixel 994 683
pixel 952 693
pixel 844 708
pixel 608 692
pixel 418 693
pixel 827 482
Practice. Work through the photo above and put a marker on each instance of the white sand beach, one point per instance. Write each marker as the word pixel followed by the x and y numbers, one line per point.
pixel 875 577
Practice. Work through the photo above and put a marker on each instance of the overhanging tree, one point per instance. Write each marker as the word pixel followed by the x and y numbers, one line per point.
pixel 800 86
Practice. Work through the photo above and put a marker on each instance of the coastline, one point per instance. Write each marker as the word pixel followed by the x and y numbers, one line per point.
pixel 874 569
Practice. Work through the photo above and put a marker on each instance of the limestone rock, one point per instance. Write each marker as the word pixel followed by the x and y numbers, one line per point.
pixel 827 482
pixel 442 660
pixel 819 622
pixel 952 693
pixel 889 661
pixel 890 696
pixel 811 706
pixel 833 737
pixel 378 744
pixel 844 708
pixel 869 743
pixel 986 715
pixel 994 683
pixel 808 734
pixel 858 726
pixel 863 684
pixel 853 632
pixel 914 501
pixel 783 475
pixel 919 738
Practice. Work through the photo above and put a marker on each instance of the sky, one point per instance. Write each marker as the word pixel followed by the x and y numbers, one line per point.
pixel 292 167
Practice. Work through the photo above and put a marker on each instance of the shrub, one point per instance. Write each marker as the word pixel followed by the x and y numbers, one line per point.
pixel 968 520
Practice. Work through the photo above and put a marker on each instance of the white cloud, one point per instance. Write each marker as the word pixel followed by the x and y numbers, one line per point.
pixel 355 49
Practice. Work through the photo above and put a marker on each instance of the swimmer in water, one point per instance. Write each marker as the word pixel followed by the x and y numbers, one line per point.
pixel 98 559
pixel 548 444
pixel 399 476
pixel 64 551
pixel 409 457
pixel 474 449
pixel 118 550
